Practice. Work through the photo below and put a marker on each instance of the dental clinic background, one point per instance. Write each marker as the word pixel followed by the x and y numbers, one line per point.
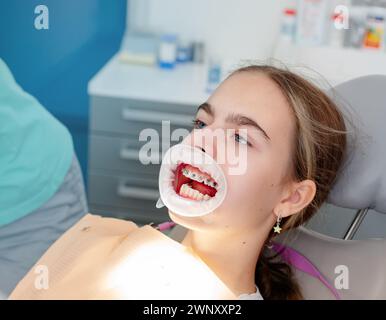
pixel 88 62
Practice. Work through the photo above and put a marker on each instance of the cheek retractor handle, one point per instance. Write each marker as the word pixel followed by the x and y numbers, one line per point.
pixel 159 204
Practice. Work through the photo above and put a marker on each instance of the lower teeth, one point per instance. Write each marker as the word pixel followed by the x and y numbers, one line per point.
pixel 186 190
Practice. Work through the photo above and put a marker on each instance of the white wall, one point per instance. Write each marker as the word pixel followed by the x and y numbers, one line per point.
pixel 231 29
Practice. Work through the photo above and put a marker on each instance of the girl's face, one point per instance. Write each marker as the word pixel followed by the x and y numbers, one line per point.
pixel 256 121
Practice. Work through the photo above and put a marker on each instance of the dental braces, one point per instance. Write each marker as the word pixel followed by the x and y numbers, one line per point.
pixel 198 178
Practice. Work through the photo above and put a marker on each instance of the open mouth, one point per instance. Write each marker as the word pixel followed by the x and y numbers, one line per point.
pixel 190 182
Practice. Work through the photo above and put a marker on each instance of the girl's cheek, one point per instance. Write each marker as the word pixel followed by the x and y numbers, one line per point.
pixel 187 139
pixel 236 186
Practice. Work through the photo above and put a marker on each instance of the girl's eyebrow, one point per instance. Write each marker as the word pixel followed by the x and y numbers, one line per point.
pixel 241 120
pixel 237 119
pixel 207 108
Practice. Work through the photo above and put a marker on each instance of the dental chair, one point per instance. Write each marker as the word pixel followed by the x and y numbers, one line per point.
pixel 356 268
pixel 360 185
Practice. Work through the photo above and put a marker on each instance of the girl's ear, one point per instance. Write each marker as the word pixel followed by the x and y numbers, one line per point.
pixel 301 195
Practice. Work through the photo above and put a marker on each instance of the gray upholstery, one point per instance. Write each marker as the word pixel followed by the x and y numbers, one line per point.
pixel 362 181
pixel 365 261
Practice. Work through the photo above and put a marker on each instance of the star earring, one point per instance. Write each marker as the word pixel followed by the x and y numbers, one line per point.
pixel 277 228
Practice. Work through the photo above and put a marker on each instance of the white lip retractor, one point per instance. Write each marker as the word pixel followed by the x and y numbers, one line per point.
pixel 182 153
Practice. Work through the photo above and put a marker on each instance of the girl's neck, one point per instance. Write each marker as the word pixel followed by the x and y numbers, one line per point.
pixel 232 257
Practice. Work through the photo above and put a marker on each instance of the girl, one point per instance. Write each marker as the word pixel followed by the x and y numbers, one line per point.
pixel 296 139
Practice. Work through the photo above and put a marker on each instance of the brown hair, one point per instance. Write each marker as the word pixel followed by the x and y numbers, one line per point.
pixel 319 145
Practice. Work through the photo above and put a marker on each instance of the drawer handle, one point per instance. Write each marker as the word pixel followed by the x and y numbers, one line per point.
pixel 156 117
pixel 136 192
pixel 131 154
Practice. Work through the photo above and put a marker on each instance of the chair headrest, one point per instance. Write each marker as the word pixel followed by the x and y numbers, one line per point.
pixel 361 181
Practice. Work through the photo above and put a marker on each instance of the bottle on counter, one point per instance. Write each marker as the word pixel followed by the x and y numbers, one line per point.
pixel 167 55
pixel 214 74
pixel 288 25
pixel 354 35
pixel 336 36
pixel 374 37
pixel 184 51
pixel 198 52
pixel 311 22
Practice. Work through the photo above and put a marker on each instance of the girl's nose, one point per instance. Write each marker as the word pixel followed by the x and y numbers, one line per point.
pixel 205 142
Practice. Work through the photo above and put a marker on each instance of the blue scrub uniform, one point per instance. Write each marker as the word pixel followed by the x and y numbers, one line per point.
pixel 41 186
pixel 35 151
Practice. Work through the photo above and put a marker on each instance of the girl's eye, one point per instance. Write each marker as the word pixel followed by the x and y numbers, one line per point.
pixel 198 124
pixel 241 140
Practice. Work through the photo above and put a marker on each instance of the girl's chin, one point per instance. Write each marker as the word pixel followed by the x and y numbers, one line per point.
pixel 194 223
pixel 181 219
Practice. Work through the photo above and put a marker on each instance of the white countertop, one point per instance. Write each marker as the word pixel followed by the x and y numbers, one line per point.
pixel 184 84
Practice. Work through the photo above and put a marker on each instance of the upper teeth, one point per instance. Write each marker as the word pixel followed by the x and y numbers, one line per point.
pixel 199 178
